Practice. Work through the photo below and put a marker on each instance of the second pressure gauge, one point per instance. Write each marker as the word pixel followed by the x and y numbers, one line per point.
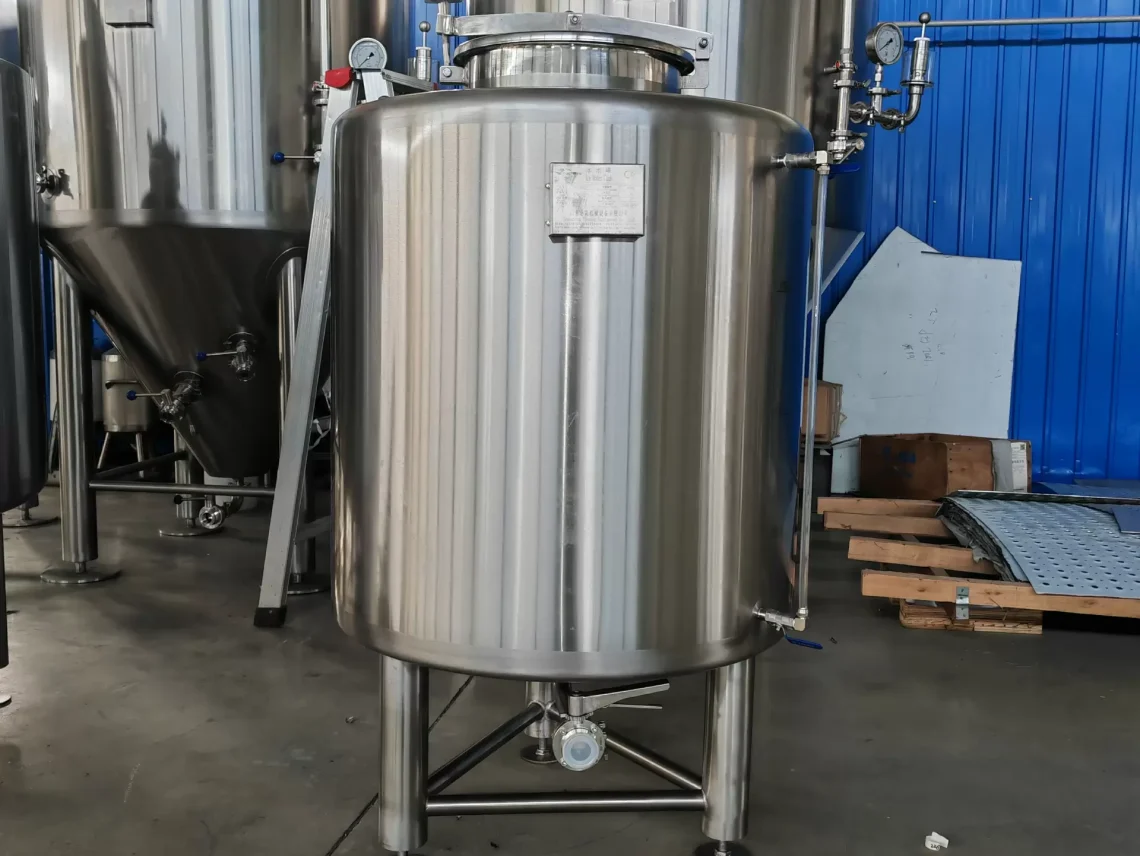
pixel 368 54
pixel 885 44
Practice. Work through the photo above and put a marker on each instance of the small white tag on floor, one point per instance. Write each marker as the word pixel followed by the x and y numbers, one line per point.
pixel 936 842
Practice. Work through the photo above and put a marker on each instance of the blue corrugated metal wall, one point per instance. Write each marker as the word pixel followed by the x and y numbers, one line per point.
pixel 1027 150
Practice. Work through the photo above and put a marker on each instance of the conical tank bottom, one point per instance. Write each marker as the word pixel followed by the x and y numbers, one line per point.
pixel 168 291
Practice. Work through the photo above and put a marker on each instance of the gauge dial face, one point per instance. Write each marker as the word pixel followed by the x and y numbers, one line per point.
pixel 885 44
pixel 368 54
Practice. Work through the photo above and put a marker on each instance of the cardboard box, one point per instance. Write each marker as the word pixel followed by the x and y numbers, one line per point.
pixel 828 402
pixel 931 466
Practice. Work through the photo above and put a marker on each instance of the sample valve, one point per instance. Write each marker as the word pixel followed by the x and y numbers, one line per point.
pixel 242 350
pixel 172 402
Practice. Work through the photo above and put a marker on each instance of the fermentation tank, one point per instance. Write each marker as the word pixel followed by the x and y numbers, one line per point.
pixel 159 119
pixel 566 432
pixel 23 430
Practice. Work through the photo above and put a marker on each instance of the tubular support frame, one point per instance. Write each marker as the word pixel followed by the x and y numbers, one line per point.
pixel 403 754
pixel 470 758
pixel 187 473
pixel 181 489
pixel 141 466
pixel 803 567
pixel 564 803
pixel 728 750
pixel 78 527
pixel 654 763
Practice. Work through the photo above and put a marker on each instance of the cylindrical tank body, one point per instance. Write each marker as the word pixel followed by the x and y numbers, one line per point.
pixel 768 53
pixel 565 456
pixel 23 431
pixel 163 117
pixel 120 414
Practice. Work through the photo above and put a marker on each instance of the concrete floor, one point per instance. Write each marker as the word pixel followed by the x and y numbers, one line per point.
pixel 151 717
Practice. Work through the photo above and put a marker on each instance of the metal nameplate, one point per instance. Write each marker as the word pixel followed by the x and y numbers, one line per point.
pixel 597 200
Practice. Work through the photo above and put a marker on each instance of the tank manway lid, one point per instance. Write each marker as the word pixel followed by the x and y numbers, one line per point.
pixel 579 51
pixel 574 60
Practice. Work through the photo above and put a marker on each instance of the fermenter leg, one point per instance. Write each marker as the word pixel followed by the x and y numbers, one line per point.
pixel 541 752
pixel 403 755
pixel 78 530
pixel 189 472
pixel 728 757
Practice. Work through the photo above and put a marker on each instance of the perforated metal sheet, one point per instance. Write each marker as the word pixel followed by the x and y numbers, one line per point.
pixel 1061 548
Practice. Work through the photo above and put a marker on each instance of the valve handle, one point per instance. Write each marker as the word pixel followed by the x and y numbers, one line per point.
pixel 803 643
pixel 132 395
pixel 201 356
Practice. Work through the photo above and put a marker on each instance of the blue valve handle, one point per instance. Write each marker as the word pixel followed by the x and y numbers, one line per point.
pixel 132 395
pixel 804 643
pixel 201 356
pixel 277 157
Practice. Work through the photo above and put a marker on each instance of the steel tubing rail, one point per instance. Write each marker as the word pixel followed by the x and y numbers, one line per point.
pixel 182 489
pixel 470 758
pixel 565 803
pixel 653 762
pixel 1025 22
pixel 141 466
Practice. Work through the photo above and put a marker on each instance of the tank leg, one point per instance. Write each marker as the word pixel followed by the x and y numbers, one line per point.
pixel 728 757
pixel 78 527
pixel 140 450
pixel 103 451
pixel 403 755
pixel 187 471
pixel 540 692
pixel 5 700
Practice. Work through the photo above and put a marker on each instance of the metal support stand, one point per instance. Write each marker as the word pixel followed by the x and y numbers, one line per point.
pixel 542 752
pixel 5 699
pixel 304 377
pixel 728 757
pixel 78 528
pixel 140 450
pixel 303 576
pixel 187 471
pixel 403 755
pixel 26 521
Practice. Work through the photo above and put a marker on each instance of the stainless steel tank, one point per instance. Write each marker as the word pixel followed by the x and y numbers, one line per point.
pixel 121 414
pixel 768 53
pixel 163 116
pixel 23 429
pixel 568 336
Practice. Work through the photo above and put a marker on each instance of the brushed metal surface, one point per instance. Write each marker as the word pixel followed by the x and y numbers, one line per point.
pixel 174 219
pixel 120 414
pixel 571 457
pixel 768 53
pixel 23 429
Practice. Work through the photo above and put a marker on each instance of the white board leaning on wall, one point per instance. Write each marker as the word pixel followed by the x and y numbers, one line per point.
pixel 924 343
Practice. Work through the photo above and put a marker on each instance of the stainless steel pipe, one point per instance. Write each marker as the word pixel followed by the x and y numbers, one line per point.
pixel 1026 22
pixel 290 284
pixel 564 803
pixel 403 754
pixel 73 342
pixel 187 473
pixel 803 568
pixel 141 466
pixel 470 758
pixel 176 489
pixel 728 751
pixel 540 693
pixel 652 762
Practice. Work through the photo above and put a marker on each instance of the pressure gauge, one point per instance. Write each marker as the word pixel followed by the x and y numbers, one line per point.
pixel 368 54
pixel 885 44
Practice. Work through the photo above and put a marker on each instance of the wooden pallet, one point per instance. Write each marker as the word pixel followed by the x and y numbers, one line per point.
pixel 924 576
